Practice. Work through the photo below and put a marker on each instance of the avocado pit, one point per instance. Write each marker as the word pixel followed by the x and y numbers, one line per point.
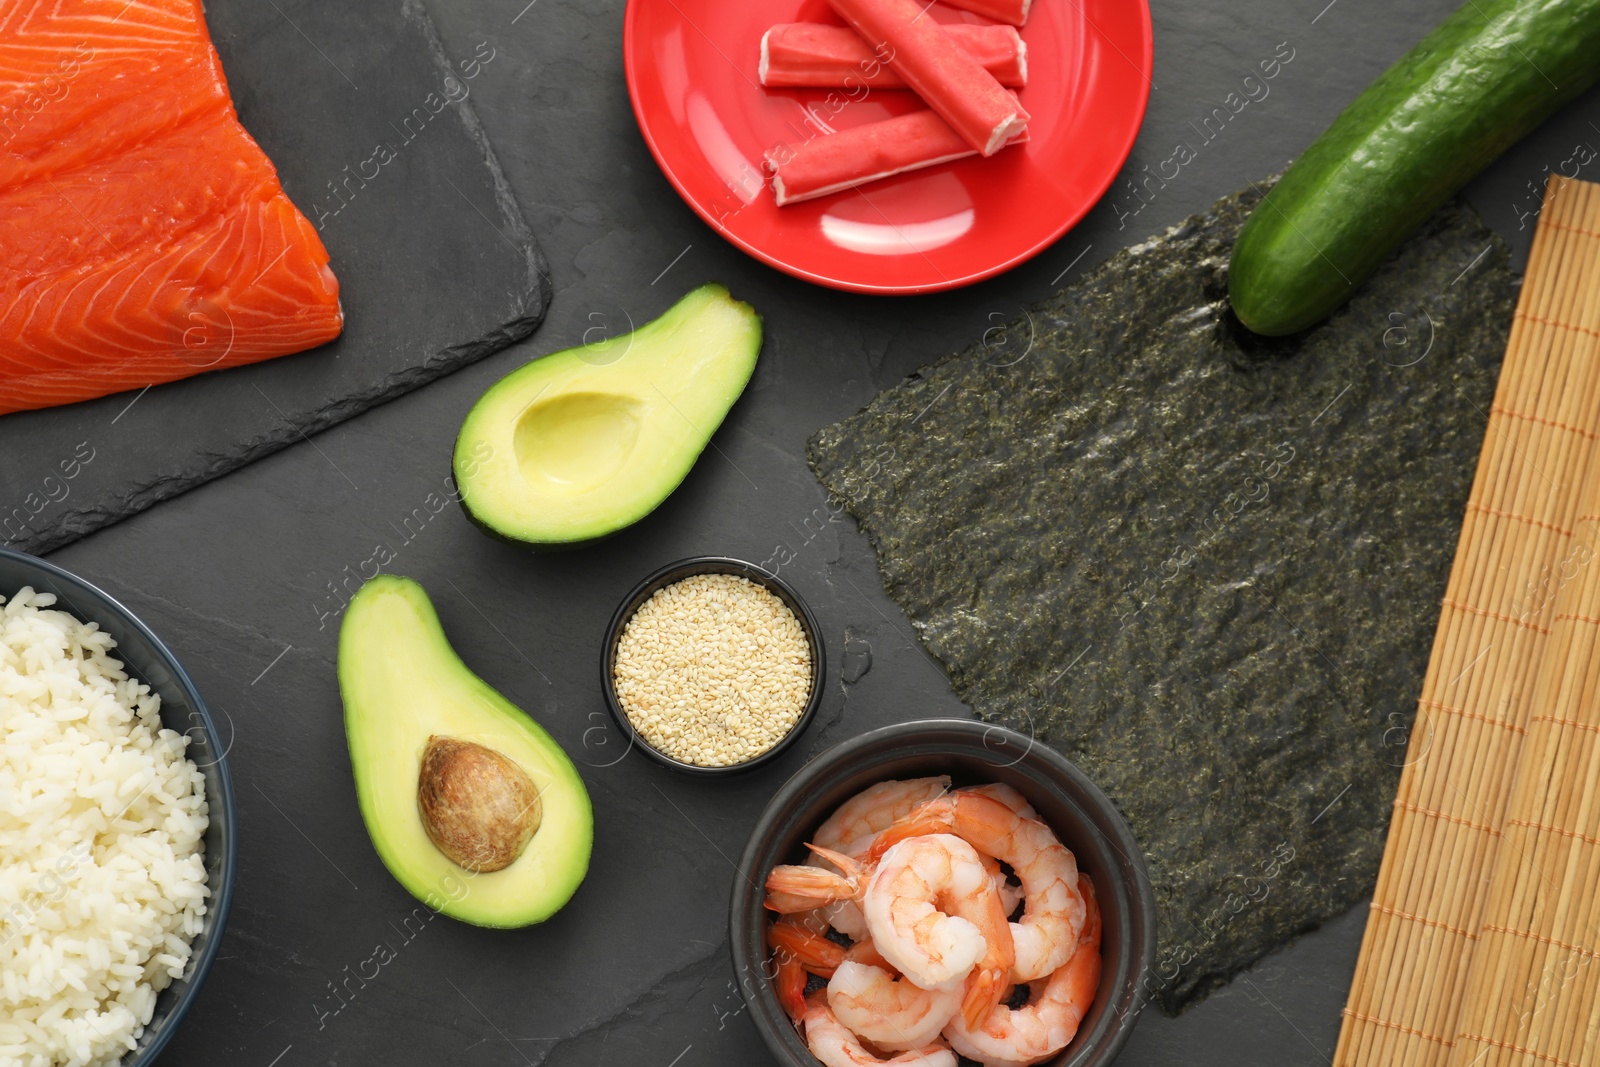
pixel 478 807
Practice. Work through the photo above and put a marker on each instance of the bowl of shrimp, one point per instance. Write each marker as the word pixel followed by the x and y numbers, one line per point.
pixel 940 893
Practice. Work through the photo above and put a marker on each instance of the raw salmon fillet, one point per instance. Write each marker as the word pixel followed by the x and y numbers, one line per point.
pixel 143 234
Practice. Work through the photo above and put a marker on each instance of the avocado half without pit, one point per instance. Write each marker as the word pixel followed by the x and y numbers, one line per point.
pixel 471 805
pixel 584 442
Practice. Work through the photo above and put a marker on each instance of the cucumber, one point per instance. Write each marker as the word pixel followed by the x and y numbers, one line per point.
pixel 1482 79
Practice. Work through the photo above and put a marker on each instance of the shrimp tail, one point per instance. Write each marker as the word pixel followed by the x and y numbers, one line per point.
pixel 937 816
pixel 986 988
pixel 851 868
pixel 865 952
pixel 980 819
pixel 790 985
pixel 796 887
pixel 817 955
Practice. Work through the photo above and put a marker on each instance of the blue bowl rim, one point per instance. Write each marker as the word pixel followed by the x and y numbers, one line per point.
pixel 222 896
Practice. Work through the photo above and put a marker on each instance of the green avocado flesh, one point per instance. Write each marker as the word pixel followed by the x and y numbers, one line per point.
pixel 402 683
pixel 581 443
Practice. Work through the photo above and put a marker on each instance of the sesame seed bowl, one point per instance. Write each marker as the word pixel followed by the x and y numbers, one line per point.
pixel 712 666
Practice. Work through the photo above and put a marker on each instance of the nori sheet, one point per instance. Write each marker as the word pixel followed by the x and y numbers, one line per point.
pixel 1204 566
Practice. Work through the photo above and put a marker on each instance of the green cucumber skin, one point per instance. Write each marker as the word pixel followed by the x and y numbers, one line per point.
pixel 1478 83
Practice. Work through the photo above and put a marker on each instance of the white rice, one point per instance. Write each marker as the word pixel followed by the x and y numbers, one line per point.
pixel 102 877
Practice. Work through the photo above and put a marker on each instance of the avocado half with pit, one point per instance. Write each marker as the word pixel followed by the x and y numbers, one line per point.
pixel 584 442
pixel 472 806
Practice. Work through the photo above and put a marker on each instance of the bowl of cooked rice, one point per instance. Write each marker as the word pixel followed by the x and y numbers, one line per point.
pixel 117 831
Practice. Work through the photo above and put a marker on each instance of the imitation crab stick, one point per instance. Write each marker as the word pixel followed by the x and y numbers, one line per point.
pixel 864 154
pixel 939 70
pixel 1011 12
pixel 813 54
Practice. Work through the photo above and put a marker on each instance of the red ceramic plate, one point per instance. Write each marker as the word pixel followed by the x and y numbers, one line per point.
pixel 691 67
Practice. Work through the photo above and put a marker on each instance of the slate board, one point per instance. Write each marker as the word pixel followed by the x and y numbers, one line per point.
pixel 436 266
pixel 1204 567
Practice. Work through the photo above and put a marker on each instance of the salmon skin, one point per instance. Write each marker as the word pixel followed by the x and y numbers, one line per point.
pixel 143 234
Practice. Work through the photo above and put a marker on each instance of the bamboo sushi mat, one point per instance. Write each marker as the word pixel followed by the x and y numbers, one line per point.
pixel 1484 935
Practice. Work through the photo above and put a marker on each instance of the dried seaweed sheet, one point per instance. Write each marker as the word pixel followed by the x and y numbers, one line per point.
pixel 1203 566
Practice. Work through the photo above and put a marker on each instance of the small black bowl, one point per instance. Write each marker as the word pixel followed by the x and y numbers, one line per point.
pixel 686 568
pixel 183 710
pixel 970 753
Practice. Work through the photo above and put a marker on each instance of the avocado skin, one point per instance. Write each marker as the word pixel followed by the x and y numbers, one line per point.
pixel 553 548
pixel 1484 78
pixel 741 352
pixel 401 682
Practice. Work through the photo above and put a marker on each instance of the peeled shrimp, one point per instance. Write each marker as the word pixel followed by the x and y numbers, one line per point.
pixel 1053 912
pixel 893 1015
pixel 834 1045
pixel 1010 895
pixel 813 920
pixel 845 916
pixel 853 826
pixel 860 819
pixel 1015 1037
pixel 934 915
pixel 1005 794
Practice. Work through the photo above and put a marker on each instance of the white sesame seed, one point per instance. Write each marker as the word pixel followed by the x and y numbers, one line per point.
pixel 713 669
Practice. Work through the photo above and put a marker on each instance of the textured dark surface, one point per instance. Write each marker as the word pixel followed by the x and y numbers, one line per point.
pixel 1204 567
pixel 635 972
pixel 426 221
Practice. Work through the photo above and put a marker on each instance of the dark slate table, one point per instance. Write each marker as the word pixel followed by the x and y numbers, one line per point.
pixel 240 575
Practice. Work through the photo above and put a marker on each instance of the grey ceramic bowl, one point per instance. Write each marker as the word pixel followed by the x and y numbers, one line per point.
pixel 971 753
pixel 676 572
pixel 183 710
